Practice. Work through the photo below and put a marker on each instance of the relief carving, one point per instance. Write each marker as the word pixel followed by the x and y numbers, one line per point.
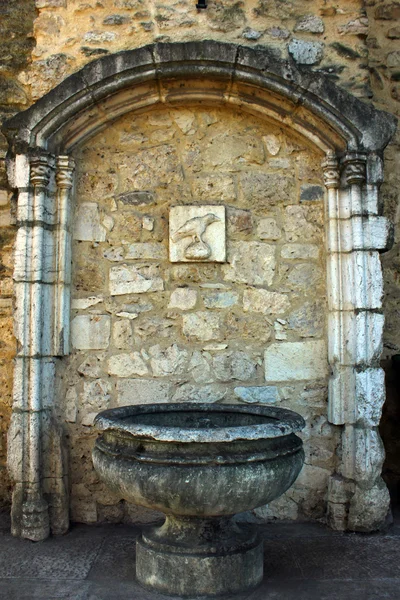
pixel 197 233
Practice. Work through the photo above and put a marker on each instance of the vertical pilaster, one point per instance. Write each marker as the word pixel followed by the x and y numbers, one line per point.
pixel 64 181
pixel 356 389
pixel 32 276
pixel 41 276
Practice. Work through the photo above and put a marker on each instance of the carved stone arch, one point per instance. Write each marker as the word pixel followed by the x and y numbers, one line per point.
pixel 351 134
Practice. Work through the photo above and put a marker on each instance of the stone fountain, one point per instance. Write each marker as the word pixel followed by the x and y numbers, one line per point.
pixel 200 464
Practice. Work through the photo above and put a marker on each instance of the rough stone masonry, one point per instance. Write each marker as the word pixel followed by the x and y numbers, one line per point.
pixel 144 327
pixel 251 329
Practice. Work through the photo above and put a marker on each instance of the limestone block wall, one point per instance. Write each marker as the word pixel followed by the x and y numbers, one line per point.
pixel 328 36
pixel 354 42
pixel 147 330
pixel 384 57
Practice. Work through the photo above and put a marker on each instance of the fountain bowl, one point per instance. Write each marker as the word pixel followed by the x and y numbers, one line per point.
pixel 199 464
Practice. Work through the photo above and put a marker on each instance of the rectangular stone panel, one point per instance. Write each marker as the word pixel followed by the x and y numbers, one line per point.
pixel 197 234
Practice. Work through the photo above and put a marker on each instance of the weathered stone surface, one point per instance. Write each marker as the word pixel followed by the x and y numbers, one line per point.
pixel 310 192
pixel 272 143
pixel 201 325
pixel 310 23
pixel 87 223
pixel 90 332
pixel 183 298
pixel 96 395
pixel 355 27
pixel 146 250
pixel 229 150
pixel 265 302
pixel 250 262
pixel 239 221
pixel 83 303
pixel 369 507
pixel 114 254
pixel 168 361
pixel 92 365
pixel 302 251
pixel 129 279
pixel 263 394
pixel 210 186
pixel 193 393
pixel 150 168
pixel 153 327
pixel 136 198
pixel 296 361
pixel 71 405
pixel 306 53
pixel 126 365
pixel 267 189
pixel 267 229
pixel 234 365
pixel 251 34
pixel 370 396
pixel 199 367
pixel 305 275
pixel 308 320
pixel 142 391
pixel 220 299
pixel 122 334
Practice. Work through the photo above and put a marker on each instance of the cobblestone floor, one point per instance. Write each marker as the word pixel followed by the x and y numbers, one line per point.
pixel 302 562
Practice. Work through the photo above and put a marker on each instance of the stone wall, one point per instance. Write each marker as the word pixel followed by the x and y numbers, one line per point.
pixel 148 330
pixel 328 36
pixel 354 42
pixel 384 58
pixel 16 28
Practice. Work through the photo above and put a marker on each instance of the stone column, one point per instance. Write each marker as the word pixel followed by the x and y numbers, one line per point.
pixel 64 181
pixel 41 275
pixel 357 498
pixel 30 517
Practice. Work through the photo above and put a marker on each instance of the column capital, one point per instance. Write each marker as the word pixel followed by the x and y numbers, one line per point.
pixel 330 168
pixel 354 168
pixel 40 171
pixel 64 174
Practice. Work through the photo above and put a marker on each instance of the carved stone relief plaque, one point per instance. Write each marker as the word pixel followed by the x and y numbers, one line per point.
pixel 197 234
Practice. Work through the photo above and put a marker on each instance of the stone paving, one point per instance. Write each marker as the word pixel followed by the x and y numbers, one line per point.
pixel 302 562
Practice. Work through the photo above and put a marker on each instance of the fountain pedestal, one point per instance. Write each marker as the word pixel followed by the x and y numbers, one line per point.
pixel 193 556
pixel 200 465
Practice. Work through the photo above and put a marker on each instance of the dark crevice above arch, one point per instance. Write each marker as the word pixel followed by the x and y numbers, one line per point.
pixel 244 75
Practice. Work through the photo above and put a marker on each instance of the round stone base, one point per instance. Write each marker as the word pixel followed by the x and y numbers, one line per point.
pixel 172 568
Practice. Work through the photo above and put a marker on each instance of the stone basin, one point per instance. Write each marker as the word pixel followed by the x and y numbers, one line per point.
pixel 200 464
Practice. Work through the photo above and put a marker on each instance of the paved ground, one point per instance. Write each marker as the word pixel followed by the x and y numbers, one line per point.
pixel 302 562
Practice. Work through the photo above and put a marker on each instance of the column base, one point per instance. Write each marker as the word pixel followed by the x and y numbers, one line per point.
pixel 199 557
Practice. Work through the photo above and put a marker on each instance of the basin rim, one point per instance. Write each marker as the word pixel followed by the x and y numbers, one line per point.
pixel 288 422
